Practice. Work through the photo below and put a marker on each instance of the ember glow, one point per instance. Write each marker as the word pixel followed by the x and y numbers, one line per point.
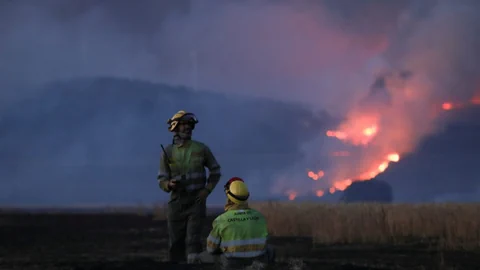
pixel 291 194
pixel 316 176
pixel 447 106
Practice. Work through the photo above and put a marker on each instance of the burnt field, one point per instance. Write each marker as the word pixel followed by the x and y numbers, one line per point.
pixel 307 236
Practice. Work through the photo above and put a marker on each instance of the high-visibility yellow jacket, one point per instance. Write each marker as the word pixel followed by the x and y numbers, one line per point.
pixel 239 234
pixel 187 165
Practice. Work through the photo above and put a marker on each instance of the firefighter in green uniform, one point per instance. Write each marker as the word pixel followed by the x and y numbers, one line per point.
pixel 240 234
pixel 182 174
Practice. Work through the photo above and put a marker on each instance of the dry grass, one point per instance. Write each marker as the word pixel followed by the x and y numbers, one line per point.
pixel 446 226
pixel 441 226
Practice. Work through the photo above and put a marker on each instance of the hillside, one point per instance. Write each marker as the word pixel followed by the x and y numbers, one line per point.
pixel 444 166
pixel 97 140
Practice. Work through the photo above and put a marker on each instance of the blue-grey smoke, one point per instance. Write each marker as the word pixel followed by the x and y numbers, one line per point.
pixel 88 85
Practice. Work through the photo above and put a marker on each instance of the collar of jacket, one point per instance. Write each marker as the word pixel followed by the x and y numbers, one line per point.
pixel 232 206
pixel 177 140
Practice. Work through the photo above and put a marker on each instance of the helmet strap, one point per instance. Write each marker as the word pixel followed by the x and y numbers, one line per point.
pixel 238 197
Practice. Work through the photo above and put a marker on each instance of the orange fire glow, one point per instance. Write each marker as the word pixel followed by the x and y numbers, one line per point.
pixel 447 106
pixel 339 135
pixel 357 132
pixel 475 100
pixel 342 185
pixel 316 176
pixel 393 157
pixel 292 194
pixel 360 130
pixel 370 131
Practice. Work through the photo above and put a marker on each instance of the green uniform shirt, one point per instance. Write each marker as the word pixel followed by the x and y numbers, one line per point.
pixel 239 234
pixel 187 165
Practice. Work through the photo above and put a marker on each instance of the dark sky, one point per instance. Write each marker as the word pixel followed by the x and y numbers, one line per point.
pixel 324 55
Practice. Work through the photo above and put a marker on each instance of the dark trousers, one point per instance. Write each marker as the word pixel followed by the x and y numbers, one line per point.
pixel 186 219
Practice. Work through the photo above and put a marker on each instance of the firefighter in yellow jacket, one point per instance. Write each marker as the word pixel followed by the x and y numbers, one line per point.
pixel 240 234
pixel 182 174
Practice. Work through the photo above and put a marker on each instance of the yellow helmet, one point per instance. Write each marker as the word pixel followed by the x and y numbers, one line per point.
pixel 237 191
pixel 181 116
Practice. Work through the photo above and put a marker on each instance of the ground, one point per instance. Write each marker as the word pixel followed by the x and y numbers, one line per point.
pixel 132 241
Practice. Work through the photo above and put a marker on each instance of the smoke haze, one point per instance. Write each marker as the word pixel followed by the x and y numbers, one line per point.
pixel 249 47
pixel 323 54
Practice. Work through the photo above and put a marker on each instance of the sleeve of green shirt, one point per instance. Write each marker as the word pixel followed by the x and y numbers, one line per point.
pixel 163 174
pixel 213 168
pixel 214 239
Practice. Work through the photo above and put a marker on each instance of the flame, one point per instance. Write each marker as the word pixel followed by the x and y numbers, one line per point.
pixel 447 106
pixel 363 129
pixel 393 157
pixel 379 168
pixel 370 131
pixel 382 167
pixel 357 132
pixel 316 176
pixel 342 185
pixel 360 129
pixel 338 134
pixel 292 194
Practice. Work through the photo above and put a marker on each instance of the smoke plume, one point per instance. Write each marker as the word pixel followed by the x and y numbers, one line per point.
pixel 435 42
pixel 323 54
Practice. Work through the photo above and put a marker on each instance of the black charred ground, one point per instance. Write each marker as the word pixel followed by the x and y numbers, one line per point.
pixel 133 241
